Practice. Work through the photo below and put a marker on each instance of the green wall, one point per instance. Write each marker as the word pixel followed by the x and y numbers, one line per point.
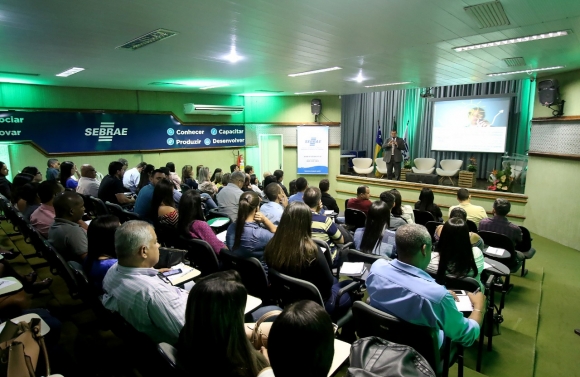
pixel 552 184
pixel 264 110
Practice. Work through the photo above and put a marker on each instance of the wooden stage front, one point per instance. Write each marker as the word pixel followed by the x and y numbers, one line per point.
pixel 445 196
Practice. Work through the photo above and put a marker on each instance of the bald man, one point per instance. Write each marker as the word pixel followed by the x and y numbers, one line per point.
pixel 88 184
pixel 66 234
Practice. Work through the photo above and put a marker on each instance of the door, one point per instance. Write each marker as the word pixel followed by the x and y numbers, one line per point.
pixel 271 150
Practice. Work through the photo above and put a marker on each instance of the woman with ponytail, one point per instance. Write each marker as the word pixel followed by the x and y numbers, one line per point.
pixel 245 237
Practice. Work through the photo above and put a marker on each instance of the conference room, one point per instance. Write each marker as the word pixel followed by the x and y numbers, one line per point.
pixel 415 96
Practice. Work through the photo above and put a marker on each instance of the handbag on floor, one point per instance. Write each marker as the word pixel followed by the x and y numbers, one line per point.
pixel 258 335
pixel 21 345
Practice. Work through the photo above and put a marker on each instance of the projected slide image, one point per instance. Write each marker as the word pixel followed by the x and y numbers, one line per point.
pixel 474 125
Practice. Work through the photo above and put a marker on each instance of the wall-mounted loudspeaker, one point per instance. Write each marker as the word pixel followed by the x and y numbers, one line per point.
pixel 316 106
pixel 549 92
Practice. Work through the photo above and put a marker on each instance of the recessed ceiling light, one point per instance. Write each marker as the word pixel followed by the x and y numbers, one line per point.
pixel 360 77
pixel 312 92
pixel 389 84
pixel 71 71
pixel 233 56
pixel 315 71
pixel 503 42
pixel 214 86
pixel 525 71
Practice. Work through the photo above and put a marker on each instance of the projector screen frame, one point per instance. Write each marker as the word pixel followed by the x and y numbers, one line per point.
pixel 509 96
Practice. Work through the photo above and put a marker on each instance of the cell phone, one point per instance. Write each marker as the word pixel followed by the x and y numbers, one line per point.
pixel 171 272
pixel 459 293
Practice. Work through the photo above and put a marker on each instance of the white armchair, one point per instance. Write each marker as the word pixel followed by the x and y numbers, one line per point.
pixel 363 166
pixel 450 168
pixel 424 165
pixel 381 166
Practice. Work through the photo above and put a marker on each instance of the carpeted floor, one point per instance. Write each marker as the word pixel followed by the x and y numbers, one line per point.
pixel 537 337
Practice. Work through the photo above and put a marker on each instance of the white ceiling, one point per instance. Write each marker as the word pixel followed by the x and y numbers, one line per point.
pixel 386 40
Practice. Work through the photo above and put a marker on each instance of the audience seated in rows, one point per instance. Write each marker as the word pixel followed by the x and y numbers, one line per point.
pixel 361 202
pixel 474 213
pixel 229 197
pixel 455 254
pixel 53 170
pixel 192 223
pixel 420 300
pixel 132 177
pixel 29 193
pixel 327 201
pixel 101 253
pixel 88 184
pixel 133 289
pixel 394 222
pixel 405 212
pixel 66 177
pixel 143 202
pixel 187 177
pixel 145 177
pixel 245 237
pixel 213 341
pixel 376 237
pixel 277 201
pixel 323 228
pixel 111 188
pixel 474 238
pixel 162 204
pixel 426 203
pixel 43 217
pixel 279 174
pixel 301 185
pixel 66 234
pixel 293 252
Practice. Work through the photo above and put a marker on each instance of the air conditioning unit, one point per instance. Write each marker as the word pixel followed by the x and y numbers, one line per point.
pixel 191 108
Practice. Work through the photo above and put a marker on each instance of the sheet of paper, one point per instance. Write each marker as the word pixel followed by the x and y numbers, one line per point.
pixel 222 236
pixel 187 273
pixel 219 222
pixel 495 251
pixel 349 268
pixel 487 265
pixel 6 283
pixel 464 303
pixel 329 213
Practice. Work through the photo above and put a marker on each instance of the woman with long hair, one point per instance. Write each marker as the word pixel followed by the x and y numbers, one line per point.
pixel 67 171
pixel 454 253
pixel 254 184
pixel 218 180
pixel 144 177
pixel 245 237
pixel 293 252
pixel 426 203
pixel 401 210
pixel 33 170
pixel 203 177
pixel 192 223
pixel 215 179
pixel 213 340
pixel 18 183
pixel 187 176
pixel 163 205
pixel 375 237
pixel 247 186
pixel 173 175
pixel 101 253
pixel 394 222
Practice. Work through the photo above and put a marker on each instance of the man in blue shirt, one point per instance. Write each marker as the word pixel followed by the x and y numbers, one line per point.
pixel 143 202
pixel 402 288
pixel 277 201
pixel 301 185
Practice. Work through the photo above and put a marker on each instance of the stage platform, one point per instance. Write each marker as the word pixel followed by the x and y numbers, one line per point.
pixel 445 196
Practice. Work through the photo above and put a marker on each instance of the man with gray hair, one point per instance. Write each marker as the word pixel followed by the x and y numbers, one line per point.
pixel 229 197
pixel 132 176
pixel 402 288
pixel 134 289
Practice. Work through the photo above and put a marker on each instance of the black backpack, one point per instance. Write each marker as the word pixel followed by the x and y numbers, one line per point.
pixel 373 357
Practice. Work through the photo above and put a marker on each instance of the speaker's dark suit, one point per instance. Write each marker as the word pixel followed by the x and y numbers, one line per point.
pixel 393 156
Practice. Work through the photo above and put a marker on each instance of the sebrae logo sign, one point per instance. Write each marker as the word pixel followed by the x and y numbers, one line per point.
pixel 312 141
pixel 106 131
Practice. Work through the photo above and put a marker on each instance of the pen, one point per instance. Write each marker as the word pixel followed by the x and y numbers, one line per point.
pixel 477 291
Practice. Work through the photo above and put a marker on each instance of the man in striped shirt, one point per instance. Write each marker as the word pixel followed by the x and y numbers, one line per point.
pixel 134 289
pixel 323 228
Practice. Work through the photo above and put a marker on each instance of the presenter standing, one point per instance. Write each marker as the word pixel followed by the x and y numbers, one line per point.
pixel 393 156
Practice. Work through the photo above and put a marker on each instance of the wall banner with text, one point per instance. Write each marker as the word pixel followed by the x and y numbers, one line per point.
pixel 76 132
pixel 312 144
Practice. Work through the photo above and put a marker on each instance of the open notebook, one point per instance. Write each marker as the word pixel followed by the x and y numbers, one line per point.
pixel 188 273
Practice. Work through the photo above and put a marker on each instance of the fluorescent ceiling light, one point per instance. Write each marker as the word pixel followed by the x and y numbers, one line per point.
pixel 312 92
pixel 315 71
pixel 71 71
pixel 525 71
pixel 389 84
pixel 258 94
pixel 214 86
pixel 503 42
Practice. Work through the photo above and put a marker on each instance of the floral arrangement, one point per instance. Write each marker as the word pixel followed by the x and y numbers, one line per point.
pixel 407 164
pixel 501 180
pixel 472 167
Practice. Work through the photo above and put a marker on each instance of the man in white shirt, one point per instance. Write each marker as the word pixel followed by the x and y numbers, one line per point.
pixel 134 289
pixel 132 176
pixel 229 197
pixel 474 213
pixel 88 184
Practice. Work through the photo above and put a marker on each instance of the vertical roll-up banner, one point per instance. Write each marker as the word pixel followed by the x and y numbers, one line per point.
pixel 312 147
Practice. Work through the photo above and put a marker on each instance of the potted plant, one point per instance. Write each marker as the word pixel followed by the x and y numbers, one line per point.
pixel 467 177
pixel 472 167
pixel 501 180
pixel 407 168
